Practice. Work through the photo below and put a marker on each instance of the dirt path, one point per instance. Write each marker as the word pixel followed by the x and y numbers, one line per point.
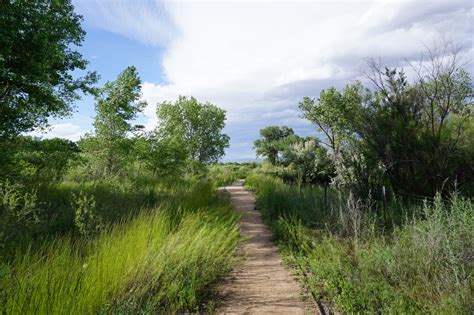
pixel 259 283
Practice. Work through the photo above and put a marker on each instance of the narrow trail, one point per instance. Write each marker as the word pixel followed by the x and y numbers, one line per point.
pixel 259 284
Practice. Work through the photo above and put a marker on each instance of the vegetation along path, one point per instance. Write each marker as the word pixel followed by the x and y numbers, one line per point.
pixel 259 283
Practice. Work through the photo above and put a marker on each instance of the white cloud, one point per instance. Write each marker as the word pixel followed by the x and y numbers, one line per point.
pixel 66 130
pixel 258 59
pixel 144 20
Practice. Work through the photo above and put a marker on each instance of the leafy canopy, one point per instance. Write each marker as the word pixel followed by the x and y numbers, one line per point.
pixel 45 160
pixel 116 105
pixel 309 159
pixel 198 127
pixel 164 156
pixel 332 113
pixel 37 59
pixel 272 141
pixel 413 138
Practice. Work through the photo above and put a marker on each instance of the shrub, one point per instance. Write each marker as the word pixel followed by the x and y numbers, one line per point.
pixel 19 213
pixel 86 220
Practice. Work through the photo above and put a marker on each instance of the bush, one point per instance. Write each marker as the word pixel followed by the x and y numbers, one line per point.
pixel 19 214
pixel 86 220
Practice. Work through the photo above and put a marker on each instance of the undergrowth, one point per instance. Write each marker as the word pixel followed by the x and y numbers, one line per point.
pixel 422 262
pixel 164 259
pixel 226 174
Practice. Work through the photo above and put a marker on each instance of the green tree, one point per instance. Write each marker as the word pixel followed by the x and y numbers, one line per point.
pixel 310 160
pixel 333 113
pixel 37 60
pixel 44 160
pixel 116 105
pixel 337 113
pixel 272 141
pixel 197 126
pixel 164 156
pixel 418 131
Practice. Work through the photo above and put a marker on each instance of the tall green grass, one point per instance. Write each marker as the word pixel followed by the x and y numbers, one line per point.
pixel 162 260
pixel 348 256
pixel 226 174
pixel 55 206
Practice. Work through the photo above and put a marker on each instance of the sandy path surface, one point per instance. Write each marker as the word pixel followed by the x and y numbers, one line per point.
pixel 259 284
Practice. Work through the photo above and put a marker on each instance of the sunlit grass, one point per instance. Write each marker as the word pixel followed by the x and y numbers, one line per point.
pixel 164 259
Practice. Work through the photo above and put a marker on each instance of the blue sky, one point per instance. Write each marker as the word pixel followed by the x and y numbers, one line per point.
pixel 257 60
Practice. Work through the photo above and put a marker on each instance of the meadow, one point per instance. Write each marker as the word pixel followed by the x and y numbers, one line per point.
pixel 161 258
pixel 161 246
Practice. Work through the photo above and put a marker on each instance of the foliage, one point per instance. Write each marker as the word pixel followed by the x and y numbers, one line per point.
pixel 164 156
pixel 348 257
pixel 163 260
pixel 227 173
pixel 303 159
pixel 272 141
pixel 86 221
pixel 19 214
pixel 55 207
pixel 310 160
pixel 37 59
pixel 44 161
pixel 333 113
pixel 357 170
pixel 198 127
pixel 115 106
pixel 416 136
pixel 408 137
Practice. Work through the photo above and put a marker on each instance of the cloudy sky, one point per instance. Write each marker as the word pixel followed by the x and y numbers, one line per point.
pixel 255 59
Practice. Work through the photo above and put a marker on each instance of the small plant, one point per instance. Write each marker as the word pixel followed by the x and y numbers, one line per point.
pixel 351 216
pixel 18 212
pixel 86 221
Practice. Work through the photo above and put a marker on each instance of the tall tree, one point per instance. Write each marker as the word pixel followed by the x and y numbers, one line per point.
pixel 270 144
pixel 37 59
pixel 198 125
pixel 418 130
pixel 310 160
pixel 332 113
pixel 116 105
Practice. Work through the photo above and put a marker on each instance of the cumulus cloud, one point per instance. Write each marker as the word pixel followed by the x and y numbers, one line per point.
pixel 258 59
pixel 66 130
